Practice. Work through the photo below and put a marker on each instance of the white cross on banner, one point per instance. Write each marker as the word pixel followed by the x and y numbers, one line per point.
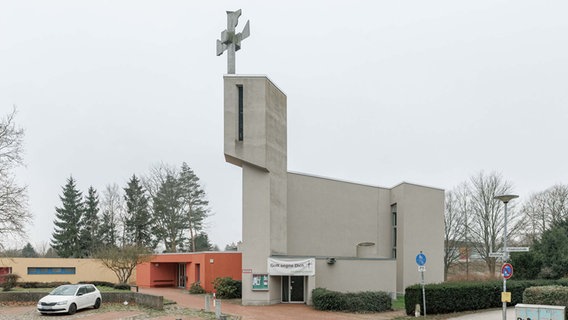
pixel 280 267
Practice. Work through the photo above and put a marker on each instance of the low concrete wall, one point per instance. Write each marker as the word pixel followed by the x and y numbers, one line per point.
pixel 21 296
pixel 147 300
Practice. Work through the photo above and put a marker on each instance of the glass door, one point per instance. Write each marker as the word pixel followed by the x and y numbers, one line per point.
pixel 297 289
pixel 293 288
pixel 181 275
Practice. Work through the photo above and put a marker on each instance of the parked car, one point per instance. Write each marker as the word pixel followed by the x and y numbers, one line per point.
pixel 69 298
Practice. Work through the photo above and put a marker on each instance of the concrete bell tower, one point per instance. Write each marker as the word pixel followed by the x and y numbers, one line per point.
pixel 255 140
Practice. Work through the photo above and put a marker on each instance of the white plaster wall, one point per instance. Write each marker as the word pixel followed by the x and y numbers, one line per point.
pixel 329 217
pixel 355 275
pixel 421 228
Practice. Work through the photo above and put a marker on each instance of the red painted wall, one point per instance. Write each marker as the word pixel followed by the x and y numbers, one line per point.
pixel 162 270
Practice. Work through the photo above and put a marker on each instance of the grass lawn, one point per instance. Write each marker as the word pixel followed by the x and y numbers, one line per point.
pixel 398 303
pixel 101 289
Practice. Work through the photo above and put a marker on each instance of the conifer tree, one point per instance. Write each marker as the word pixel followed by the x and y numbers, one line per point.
pixel 66 241
pixel 202 243
pixel 28 251
pixel 89 224
pixel 168 214
pixel 138 221
pixel 195 205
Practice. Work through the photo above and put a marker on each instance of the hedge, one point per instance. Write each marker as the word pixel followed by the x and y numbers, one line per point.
pixel 33 284
pixel 547 295
pixel 367 301
pixel 464 296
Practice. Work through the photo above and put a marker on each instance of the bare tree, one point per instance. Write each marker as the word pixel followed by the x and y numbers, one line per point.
pixel 543 210
pixel 487 214
pixel 14 214
pixel 122 261
pixel 455 227
pixel 42 247
pixel 111 212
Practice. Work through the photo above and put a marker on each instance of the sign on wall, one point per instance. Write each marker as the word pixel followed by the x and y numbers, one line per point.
pixel 259 282
pixel 301 267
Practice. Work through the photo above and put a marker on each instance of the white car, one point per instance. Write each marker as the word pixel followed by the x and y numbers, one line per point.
pixel 70 298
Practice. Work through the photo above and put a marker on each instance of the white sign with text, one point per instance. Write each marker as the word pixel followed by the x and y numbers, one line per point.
pixel 290 267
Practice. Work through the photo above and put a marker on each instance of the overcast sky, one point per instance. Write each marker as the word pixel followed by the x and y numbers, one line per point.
pixel 379 92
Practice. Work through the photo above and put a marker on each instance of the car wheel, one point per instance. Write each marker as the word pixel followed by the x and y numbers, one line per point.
pixel 97 304
pixel 72 309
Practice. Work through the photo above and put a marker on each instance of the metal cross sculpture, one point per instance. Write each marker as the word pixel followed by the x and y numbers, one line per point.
pixel 230 40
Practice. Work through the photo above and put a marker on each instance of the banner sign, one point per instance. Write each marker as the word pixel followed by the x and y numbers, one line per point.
pixel 279 267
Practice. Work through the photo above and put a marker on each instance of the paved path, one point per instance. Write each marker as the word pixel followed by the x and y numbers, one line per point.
pixel 488 315
pixel 273 312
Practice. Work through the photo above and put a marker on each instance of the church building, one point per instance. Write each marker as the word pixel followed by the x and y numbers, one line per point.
pixel 302 231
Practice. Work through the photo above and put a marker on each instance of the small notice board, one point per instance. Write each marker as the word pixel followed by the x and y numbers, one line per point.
pixel 260 282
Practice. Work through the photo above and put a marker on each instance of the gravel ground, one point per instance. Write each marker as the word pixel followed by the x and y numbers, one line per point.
pixel 106 312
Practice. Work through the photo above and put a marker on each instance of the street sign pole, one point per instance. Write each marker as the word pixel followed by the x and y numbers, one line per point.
pixel 505 199
pixel 421 261
pixel 423 292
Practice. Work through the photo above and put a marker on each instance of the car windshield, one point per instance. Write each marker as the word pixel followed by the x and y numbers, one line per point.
pixel 66 290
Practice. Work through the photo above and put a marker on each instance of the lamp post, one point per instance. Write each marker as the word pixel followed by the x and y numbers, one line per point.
pixel 505 199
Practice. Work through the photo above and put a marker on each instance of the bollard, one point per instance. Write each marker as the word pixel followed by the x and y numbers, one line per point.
pixel 218 310
pixel 207 303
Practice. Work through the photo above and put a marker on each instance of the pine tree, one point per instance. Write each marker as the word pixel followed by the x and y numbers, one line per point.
pixel 90 223
pixel 169 217
pixel 66 240
pixel 202 243
pixel 28 251
pixel 195 205
pixel 138 221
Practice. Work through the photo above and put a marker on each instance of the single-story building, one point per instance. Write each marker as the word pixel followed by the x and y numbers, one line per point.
pixel 57 269
pixel 183 269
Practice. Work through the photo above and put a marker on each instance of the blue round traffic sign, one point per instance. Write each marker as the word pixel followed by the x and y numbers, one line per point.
pixel 420 259
pixel 507 270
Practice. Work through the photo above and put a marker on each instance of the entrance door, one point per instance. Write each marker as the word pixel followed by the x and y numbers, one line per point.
pixel 181 275
pixel 293 288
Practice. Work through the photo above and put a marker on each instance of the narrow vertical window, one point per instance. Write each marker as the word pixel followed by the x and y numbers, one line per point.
pixel 197 272
pixel 394 223
pixel 241 113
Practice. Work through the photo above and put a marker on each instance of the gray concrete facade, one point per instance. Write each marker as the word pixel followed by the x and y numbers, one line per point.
pixel 362 237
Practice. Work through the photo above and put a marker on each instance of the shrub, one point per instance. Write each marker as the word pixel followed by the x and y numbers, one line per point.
pixel 546 295
pixel 122 286
pixel 10 281
pixel 367 301
pixel 100 283
pixel 324 299
pixel 196 288
pixel 464 296
pixel 227 288
pixel 48 285
pixel 31 285
pixel 56 284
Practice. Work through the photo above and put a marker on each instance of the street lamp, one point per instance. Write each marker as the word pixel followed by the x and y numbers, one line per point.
pixel 505 199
